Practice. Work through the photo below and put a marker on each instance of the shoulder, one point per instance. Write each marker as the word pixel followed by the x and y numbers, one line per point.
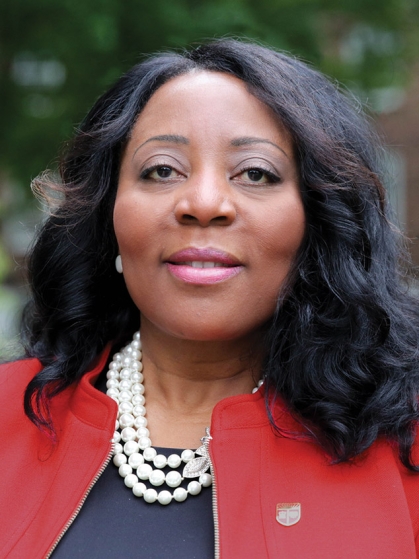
pixel 21 369
pixel 14 377
pixel 410 481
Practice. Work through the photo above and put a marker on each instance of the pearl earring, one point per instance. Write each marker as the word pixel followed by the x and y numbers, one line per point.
pixel 118 264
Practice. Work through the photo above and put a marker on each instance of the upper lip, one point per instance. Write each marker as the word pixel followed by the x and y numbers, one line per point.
pixel 193 254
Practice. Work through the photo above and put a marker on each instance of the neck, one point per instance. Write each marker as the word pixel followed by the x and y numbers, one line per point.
pixel 185 379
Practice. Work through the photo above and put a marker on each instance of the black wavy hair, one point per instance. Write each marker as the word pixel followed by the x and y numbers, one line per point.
pixel 343 344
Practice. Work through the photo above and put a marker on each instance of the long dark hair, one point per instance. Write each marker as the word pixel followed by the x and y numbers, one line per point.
pixel 343 344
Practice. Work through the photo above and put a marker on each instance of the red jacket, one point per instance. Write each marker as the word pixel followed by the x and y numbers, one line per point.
pixel 365 510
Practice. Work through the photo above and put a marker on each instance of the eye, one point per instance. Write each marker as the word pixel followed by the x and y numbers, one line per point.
pixel 255 175
pixel 163 172
pixel 259 175
pixel 159 172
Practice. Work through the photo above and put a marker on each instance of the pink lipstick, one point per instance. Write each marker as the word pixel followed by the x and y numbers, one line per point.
pixel 203 266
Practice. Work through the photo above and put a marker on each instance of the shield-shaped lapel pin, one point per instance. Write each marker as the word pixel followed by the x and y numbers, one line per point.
pixel 288 514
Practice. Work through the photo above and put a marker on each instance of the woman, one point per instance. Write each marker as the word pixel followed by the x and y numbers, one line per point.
pixel 239 196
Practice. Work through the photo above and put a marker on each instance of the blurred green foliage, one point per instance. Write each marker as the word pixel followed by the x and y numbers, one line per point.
pixel 58 56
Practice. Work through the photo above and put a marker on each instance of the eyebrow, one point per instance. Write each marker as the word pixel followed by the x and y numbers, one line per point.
pixel 173 138
pixel 248 140
pixel 237 142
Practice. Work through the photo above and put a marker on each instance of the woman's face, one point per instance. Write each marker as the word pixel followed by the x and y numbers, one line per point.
pixel 208 214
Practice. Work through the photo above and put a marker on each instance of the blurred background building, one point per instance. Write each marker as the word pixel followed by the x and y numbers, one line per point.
pixel 58 56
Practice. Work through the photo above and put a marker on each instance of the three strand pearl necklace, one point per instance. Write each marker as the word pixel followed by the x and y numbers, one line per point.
pixel 133 450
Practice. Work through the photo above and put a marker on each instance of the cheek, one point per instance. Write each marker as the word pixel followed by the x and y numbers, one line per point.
pixel 138 233
pixel 121 221
pixel 133 226
pixel 279 238
pixel 281 233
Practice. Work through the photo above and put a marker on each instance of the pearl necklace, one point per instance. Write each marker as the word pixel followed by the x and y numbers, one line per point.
pixel 133 449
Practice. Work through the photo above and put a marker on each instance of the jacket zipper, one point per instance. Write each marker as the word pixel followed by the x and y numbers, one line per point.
pixel 81 503
pixel 208 438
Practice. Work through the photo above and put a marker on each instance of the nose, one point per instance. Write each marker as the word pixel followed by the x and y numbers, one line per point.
pixel 205 200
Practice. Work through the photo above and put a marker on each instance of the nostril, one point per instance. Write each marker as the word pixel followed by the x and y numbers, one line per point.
pixel 220 218
pixel 188 218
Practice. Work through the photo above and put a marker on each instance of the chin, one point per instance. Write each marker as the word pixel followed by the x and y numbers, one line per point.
pixel 219 332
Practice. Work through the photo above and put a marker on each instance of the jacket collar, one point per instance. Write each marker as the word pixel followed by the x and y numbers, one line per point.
pixel 89 404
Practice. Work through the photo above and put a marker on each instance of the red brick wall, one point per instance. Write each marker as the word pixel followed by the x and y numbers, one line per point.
pixel 401 132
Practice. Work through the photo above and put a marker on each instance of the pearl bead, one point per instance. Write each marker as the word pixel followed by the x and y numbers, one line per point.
pixel 126 420
pixel 205 480
pixel 128 434
pixel 139 489
pixel 160 461
pixel 114 365
pixel 119 459
pixel 173 479
pixel 117 448
pixel 137 388
pixel 113 392
pixel 135 460
pixel 140 421
pixel 144 471
pixel 137 337
pixel 130 447
pixel 174 460
pixel 124 395
pixel 143 432
pixel 139 409
pixel 135 344
pixel 194 487
pixel 125 407
pixel 112 374
pixel 156 477
pixel 137 377
pixel 130 480
pixel 150 495
pixel 135 354
pixel 144 442
pixel 126 362
pixel 112 383
pixel 260 383
pixel 116 437
pixel 137 399
pixel 187 455
pixel 180 494
pixel 164 497
pixel 117 357
pixel 255 390
pixel 149 453
pixel 116 425
pixel 125 384
pixel 125 374
pixel 124 470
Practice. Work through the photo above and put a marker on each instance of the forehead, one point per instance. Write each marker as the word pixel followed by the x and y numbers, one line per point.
pixel 207 102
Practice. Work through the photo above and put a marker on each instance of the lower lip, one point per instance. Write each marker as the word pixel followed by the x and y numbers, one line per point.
pixel 203 276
